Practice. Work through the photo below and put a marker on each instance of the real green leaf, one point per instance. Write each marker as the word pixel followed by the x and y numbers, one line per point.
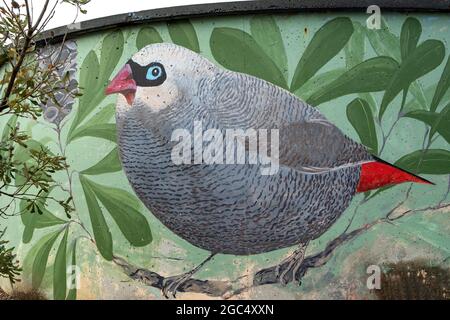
pixel 23 157
pixel 361 118
pixel 325 44
pixel 182 33
pixel 102 234
pixel 110 163
pixel 60 270
pixel 369 76
pixel 236 50
pixel 146 36
pixel 123 208
pixel 9 126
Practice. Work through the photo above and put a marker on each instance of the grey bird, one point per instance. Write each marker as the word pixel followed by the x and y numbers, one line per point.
pixel 234 209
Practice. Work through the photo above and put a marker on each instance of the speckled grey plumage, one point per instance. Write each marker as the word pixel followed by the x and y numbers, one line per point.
pixel 233 209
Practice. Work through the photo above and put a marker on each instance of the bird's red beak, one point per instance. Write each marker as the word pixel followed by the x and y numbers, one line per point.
pixel 123 83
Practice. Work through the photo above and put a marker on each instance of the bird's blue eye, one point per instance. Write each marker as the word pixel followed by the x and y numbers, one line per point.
pixel 154 72
pixel 150 75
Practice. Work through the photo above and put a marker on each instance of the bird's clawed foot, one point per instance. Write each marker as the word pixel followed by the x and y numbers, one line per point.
pixel 171 285
pixel 285 272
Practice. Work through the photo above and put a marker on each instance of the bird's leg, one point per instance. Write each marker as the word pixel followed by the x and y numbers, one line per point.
pixel 171 284
pixel 291 264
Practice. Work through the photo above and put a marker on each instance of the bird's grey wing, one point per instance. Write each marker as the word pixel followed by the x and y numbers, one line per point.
pixel 316 147
pixel 308 142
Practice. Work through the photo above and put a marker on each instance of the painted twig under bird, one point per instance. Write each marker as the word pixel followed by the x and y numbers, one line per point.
pixel 233 208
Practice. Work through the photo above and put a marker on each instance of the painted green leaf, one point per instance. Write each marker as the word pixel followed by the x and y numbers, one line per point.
pixel 110 163
pixel 438 122
pixel 379 191
pixel 28 231
pixel 360 116
pixel 384 42
pixel 425 58
pixel 442 87
pixel 124 209
pixel 433 161
pixel 60 270
pixel 28 260
pixel 146 36
pixel 419 94
pixel 102 235
pixel 325 44
pixel 101 117
pixel 371 101
pixel 111 52
pixel 318 82
pixel 35 220
pixel 236 50
pixel 41 258
pixel 267 34
pixel 72 294
pixel 369 76
pixel 355 48
pixel 442 124
pixel 104 115
pixel 105 131
pixel 409 36
pixel 94 76
pixel 90 85
pixel 182 33
pixel 414 103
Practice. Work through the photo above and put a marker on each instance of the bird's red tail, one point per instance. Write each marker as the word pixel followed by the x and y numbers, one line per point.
pixel 378 173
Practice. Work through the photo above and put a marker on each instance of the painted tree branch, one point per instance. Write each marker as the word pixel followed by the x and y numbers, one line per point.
pixel 269 275
pixel 153 279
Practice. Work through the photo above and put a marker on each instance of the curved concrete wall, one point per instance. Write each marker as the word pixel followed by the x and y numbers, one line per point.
pixel 338 62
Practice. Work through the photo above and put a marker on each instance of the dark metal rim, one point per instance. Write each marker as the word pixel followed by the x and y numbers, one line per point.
pixel 239 8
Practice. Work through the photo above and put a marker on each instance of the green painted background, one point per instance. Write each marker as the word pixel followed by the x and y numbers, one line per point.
pixel 421 236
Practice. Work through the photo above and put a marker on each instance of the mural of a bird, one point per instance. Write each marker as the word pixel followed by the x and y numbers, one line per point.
pixel 234 209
